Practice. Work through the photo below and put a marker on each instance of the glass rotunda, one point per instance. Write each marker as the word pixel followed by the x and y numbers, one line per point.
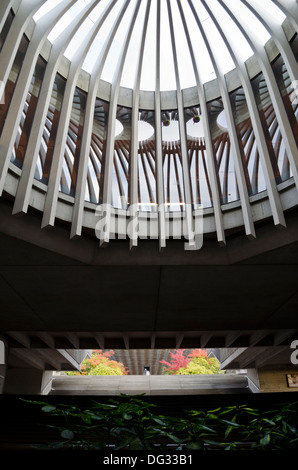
pixel 180 115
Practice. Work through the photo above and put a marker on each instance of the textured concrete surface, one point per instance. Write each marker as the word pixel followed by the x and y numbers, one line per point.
pixel 150 385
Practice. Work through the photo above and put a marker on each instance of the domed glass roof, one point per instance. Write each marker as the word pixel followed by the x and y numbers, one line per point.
pixel 191 33
pixel 150 119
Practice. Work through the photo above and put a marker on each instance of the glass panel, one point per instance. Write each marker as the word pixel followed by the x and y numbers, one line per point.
pixel 117 43
pixel 12 80
pixel 247 143
pixel 200 50
pixel 73 143
pixel 6 28
pixel 294 46
pixel 167 71
pixel 186 72
pixel 50 131
pixel 250 21
pixel 48 6
pixel 172 162
pixel 130 65
pixel 288 92
pixel 200 185
pixel 67 18
pixel 146 163
pixel 120 189
pixel 148 74
pixel 96 47
pixel 222 150
pixel 28 114
pixel 275 144
pixel 97 153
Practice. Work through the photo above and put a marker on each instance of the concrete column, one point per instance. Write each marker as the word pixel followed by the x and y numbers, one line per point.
pixel 253 380
pixel 26 381
pixel 2 377
pixel 3 362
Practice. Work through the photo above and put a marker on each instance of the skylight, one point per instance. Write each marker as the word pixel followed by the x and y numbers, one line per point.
pixel 46 8
pixel 210 28
pixel 249 21
pixel 67 18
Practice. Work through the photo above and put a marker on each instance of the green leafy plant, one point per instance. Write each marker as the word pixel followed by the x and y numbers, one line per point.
pixel 130 423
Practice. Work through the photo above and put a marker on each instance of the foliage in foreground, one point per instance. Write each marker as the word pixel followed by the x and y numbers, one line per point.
pixel 195 363
pixel 100 363
pixel 129 423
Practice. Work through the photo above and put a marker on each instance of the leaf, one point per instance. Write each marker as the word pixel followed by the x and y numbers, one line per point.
pixel 214 411
pixel 127 416
pixel 137 444
pixel 231 423
pixel 287 426
pixel 265 440
pixel 203 426
pixel 159 421
pixel 212 416
pixel 228 431
pixel 194 445
pixel 49 408
pixel 175 438
pixel 125 442
pixel 269 421
pixel 67 434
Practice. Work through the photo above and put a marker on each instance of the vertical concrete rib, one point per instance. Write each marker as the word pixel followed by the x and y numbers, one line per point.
pixel 133 182
pixel 209 147
pixel 188 213
pixel 77 217
pixel 241 181
pixel 104 235
pixel 158 142
pixel 78 209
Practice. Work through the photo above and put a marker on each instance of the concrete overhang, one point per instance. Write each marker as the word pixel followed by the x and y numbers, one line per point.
pixel 115 298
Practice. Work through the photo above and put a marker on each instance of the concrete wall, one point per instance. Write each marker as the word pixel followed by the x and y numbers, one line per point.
pixel 275 380
pixel 150 385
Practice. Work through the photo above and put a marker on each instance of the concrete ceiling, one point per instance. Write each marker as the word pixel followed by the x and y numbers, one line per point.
pixel 73 294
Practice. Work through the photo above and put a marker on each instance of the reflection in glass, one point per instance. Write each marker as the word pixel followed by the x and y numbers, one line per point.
pixel 94 185
pixel 73 143
pixel 247 143
pixel 288 92
pixel 196 146
pixel 12 80
pixel 223 154
pixel 146 165
pixel 172 162
pixel 120 189
pixel 50 131
pixel 28 113
pixel 275 144
pixel 6 28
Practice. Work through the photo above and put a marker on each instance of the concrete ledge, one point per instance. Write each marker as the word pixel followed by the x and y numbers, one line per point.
pixel 150 385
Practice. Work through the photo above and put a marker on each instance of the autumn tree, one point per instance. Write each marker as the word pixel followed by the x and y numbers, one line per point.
pixel 100 363
pixel 197 362
pixel 178 361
